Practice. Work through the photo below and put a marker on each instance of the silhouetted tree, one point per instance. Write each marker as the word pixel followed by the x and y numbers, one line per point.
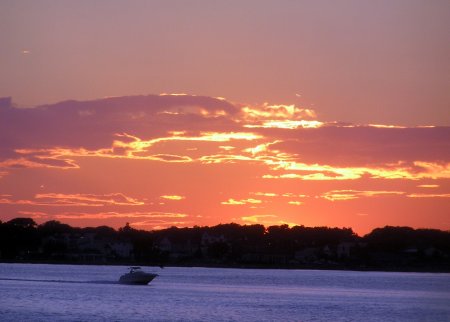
pixel 233 244
pixel 25 223
pixel 18 238
pixel 54 227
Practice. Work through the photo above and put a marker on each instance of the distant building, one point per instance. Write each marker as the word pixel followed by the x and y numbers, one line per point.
pixel 178 250
pixel 121 249
pixel 307 255
pixel 209 238
pixel 343 250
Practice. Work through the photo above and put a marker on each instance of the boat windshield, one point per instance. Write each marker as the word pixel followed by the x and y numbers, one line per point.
pixel 134 268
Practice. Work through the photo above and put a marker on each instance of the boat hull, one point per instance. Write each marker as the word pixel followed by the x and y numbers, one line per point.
pixel 137 278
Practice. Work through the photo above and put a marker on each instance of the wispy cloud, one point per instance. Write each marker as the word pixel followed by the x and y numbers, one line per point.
pixel 52 160
pixel 234 202
pixel 160 224
pixel 268 111
pixel 267 220
pixel 415 171
pixel 265 194
pixel 286 124
pixel 110 215
pixel 340 195
pixel 79 200
pixel 258 218
pixel 173 197
pixel 428 195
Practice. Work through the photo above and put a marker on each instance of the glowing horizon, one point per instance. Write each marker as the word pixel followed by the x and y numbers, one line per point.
pixel 159 170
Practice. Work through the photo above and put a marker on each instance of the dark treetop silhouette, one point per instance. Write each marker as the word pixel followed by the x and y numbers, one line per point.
pixel 230 245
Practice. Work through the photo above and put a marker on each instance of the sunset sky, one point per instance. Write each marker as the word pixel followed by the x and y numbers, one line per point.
pixel 182 113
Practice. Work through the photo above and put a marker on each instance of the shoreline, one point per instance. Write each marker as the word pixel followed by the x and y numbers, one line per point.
pixel 437 270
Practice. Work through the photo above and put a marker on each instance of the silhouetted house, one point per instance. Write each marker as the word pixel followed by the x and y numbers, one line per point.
pixel 343 250
pixel 208 238
pixel 434 252
pixel 88 242
pixel 121 249
pixel 85 248
pixel 178 249
pixel 326 250
pixel 209 241
pixel 55 246
pixel 165 245
pixel 265 258
pixel 87 257
pixel 411 250
pixel 307 255
pixel 430 251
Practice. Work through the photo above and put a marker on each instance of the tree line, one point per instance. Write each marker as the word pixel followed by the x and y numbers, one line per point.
pixel 228 245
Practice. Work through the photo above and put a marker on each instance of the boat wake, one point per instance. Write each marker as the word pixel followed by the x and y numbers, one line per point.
pixel 57 281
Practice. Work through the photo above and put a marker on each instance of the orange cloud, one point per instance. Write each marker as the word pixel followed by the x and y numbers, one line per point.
pixel 147 220
pixel 291 195
pixel 50 161
pixel 265 194
pixel 339 195
pixel 160 224
pixel 278 116
pixel 224 158
pixel 128 147
pixel 266 220
pixel 261 148
pixel 85 200
pixel 429 195
pixel 173 197
pixel 418 170
pixel 226 147
pixel 109 215
pixel 286 124
pixel 267 111
pixel 272 194
pixel 383 126
pixel 34 214
pixel 257 218
pixel 241 202
pixel 132 147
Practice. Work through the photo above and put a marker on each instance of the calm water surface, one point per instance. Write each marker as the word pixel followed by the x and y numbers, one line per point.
pixel 91 293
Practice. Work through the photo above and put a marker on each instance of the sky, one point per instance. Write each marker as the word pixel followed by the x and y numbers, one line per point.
pixel 162 113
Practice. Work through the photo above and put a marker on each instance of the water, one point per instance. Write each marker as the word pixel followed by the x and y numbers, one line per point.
pixel 91 293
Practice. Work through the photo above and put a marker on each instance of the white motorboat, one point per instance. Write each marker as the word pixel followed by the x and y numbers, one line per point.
pixel 137 277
